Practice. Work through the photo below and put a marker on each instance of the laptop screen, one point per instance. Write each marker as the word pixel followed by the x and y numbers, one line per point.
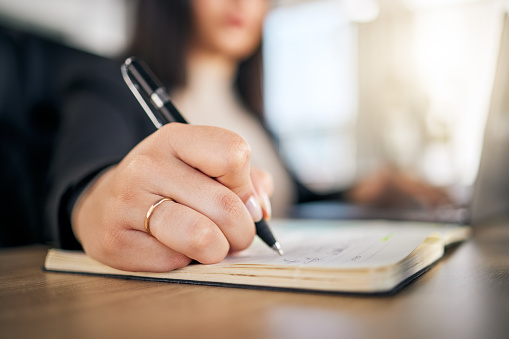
pixel 491 191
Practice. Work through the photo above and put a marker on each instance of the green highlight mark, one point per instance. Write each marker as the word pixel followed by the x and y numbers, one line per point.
pixel 387 237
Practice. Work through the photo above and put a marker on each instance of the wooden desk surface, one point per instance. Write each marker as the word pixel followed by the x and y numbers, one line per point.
pixel 466 295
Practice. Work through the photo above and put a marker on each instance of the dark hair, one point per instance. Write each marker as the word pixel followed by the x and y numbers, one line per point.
pixel 163 30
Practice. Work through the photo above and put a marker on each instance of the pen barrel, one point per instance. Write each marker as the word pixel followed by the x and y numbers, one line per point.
pixel 171 113
pixel 152 89
pixel 143 75
pixel 263 231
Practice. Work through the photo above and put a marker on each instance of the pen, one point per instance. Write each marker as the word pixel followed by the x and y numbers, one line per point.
pixel 149 91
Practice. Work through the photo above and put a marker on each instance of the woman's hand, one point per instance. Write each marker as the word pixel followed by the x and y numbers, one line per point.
pixel 205 170
pixel 391 188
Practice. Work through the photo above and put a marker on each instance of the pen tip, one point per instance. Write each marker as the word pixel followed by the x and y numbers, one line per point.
pixel 277 248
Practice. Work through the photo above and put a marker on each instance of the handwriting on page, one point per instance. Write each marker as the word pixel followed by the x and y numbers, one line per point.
pixel 332 251
pixel 345 247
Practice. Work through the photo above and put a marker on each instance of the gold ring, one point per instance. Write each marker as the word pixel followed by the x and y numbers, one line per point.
pixel 151 210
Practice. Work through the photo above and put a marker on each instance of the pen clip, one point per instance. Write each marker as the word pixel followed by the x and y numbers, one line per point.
pixel 134 88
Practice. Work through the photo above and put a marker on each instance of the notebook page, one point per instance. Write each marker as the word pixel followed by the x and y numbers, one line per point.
pixel 358 244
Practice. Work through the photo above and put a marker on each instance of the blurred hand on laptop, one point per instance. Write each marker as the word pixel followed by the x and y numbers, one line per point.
pixel 390 188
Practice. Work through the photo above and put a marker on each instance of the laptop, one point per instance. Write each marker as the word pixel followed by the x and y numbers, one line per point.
pixel 491 189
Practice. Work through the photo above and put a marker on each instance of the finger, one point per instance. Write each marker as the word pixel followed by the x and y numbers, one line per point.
pixel 429 196
pixel 264 186
pixel 191 188
pixel 180 228
pixel 188 232
pixel 425 194
pixel 111 235
pixel 132 250
pixel 218 153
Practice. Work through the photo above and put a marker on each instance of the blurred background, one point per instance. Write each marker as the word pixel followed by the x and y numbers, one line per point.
pixel 350 85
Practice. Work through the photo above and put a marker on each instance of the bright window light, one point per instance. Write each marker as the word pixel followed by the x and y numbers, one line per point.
pixel 311 90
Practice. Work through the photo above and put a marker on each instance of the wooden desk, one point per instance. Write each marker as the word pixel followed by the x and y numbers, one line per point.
pixel 466 295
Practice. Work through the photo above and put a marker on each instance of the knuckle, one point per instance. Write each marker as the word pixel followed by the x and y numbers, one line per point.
pixel 130 176
pixel 112 242
pixel 231 207
pixel 138 164
pixel 239 152
pixel 203 235
pixel 124 194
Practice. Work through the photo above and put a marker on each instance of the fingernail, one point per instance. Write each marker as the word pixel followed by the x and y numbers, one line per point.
pixel 267 206
pixel 254 208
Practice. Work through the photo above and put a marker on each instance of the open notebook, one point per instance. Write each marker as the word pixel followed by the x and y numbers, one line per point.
pixel 333 256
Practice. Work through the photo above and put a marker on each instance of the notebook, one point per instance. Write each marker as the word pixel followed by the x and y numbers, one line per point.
pixel 366 257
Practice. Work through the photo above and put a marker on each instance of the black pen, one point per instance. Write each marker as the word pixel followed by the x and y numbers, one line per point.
pixel 148 89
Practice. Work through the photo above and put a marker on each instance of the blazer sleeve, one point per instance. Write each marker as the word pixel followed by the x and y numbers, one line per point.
pixel 100 123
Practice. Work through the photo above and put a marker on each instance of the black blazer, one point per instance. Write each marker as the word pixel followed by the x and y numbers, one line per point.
pixel 64 115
